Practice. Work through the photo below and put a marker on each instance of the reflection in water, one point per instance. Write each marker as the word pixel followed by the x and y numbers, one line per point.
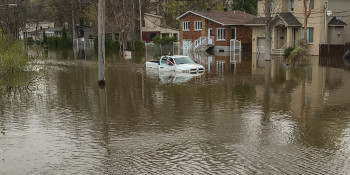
pixel 262 117
pixel 172 76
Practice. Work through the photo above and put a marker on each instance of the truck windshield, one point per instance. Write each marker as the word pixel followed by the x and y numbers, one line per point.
pixel 183 60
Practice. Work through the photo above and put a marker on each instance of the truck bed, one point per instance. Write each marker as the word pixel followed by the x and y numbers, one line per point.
pixel 152 64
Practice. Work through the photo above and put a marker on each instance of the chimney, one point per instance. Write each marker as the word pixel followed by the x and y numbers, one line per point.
pixel 225 9
pixel 208 9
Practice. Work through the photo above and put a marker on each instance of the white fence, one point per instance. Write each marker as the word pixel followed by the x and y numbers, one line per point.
pixel 83 41
pixel 235 45
pixel 235 51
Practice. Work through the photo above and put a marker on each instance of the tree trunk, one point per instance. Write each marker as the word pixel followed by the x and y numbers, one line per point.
pixel 270 23
pixel 307 15
pixel 305 29
pixel 268 45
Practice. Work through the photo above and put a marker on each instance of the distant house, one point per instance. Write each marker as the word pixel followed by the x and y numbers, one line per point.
pixel 38 34
pixel 152 26
pixel 30 27
pixel 328 23
pixel 218 26
pixel 85 31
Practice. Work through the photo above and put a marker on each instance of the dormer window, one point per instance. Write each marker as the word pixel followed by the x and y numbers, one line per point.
pixel 292 5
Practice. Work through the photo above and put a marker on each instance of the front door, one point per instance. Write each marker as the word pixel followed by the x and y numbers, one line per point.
pixel 295 30
pixel 261 45
pixel 210 36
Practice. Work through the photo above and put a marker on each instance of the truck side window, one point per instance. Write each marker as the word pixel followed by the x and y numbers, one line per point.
pixel 171 62
pixel 163 61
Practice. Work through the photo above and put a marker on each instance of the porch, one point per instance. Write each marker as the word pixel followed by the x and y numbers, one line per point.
pixel 286 33
pixel 284 37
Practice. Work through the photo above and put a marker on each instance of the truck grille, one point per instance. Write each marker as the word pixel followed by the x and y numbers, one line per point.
pixel 195 71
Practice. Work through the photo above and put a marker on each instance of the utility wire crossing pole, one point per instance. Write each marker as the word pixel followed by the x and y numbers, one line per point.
pixel 101 42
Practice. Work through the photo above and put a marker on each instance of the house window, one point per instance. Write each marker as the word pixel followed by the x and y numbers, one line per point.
pixel 310 34
pixel 292 5
pixel 308 4
pixel 233 33
pixel 198 25
pixel 221 34
pixel 165 35
pixel 186 26
pixel 272 7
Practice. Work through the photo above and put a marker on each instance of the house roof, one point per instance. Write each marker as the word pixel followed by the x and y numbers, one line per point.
pixel 258 21
pixel 336 22
pixel 37 31
pixel 288 18
pixel 54 29
pixel 149 14
pixel 223 17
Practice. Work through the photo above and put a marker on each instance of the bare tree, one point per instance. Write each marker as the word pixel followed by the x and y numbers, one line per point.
pixel 12 16
pixel 270 24
pixel 307 13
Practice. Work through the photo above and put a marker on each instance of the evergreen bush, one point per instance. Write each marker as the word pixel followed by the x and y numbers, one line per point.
pixel 299 56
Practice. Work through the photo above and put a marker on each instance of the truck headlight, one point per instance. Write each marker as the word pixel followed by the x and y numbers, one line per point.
pixel 185 71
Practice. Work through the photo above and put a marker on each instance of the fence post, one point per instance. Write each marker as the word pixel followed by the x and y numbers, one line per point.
pixel 146 49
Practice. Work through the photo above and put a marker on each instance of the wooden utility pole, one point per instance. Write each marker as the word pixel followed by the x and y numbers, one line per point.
pixel 140 20
pixel 73 22
pixel 101 42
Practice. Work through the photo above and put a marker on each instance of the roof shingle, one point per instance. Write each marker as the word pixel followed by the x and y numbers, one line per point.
pixel 290 19
pixel 223 17
pixel 336 22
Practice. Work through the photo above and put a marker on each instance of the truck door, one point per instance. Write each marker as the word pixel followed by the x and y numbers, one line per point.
pixel 162 63
pixel 166 64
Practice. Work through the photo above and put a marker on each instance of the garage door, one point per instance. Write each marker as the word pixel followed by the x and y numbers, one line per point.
pixel 261 45
pixel 185 46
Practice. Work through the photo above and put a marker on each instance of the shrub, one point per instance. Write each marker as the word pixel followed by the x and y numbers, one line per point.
pixel 58 42
pixel 115 44
pixel 29 40
pixel 164 40
pixel 302 43
pixel 288 51
pixel 109 43
pixel 13 63
pixel 299 56
pixel 140 45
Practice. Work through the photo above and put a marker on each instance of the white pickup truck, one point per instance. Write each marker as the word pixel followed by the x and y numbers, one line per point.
pixel 177 63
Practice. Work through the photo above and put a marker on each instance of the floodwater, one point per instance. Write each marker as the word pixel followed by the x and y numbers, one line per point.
pixel 243 116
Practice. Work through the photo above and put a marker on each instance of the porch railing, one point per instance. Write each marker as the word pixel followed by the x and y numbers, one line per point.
pixel 283 48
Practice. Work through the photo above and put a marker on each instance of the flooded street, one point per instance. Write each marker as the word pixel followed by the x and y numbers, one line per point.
pixel 243 116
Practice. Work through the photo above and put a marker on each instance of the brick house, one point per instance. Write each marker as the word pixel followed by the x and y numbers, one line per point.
pixel 218 26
